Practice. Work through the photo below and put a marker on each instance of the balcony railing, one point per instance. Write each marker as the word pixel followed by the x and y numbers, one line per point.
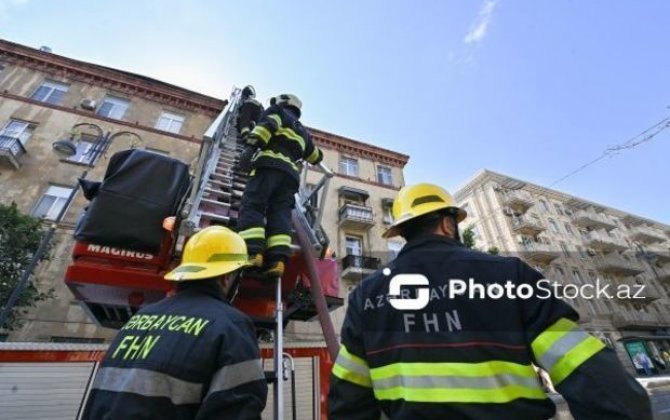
pixel 527 225
pixel 641 320
pixel 11 150
pixel 647 234
pixel 518 200
pixel 356 216
pixel 538 253
pixel 617 265
pixel 355 267
pixel 589 218
pixel 601 240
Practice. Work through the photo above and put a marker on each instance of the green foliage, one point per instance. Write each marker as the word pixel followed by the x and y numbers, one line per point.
pixel 468 237
pixel 20 236
pixel 493 250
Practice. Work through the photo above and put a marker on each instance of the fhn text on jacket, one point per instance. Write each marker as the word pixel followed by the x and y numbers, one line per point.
pixel 462 358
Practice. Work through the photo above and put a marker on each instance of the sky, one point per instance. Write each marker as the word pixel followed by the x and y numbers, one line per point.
pixel 530 89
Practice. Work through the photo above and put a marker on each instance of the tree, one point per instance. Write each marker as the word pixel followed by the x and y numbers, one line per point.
pixel 20 236
pixel 469 237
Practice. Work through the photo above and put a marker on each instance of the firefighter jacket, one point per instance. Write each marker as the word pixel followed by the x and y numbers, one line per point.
pixel 283 141
pixel 462 357
pixel 190 356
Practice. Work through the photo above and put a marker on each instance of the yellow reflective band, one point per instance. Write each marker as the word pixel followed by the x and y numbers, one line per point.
pixel 262 133
pixel 552 334
pixel 276 119
pixel 493 367
pixel 574 358
pixel 460 395
pixel 351 368
pixel 276 155
pixel 253 233
pixel 292 135
pixel 486 382
pixel 313 156
pixel 279 240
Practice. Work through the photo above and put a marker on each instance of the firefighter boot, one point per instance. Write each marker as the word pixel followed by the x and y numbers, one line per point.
pixel 275 268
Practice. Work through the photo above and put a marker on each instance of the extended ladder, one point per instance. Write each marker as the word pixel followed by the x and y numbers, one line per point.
pixel 215 199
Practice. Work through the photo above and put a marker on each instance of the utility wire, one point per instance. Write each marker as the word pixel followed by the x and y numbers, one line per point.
pixel 643 137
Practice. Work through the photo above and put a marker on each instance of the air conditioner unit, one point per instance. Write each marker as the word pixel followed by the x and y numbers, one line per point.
pixel 87 104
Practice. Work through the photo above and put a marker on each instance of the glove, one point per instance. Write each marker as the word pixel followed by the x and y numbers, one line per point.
pixel 244 163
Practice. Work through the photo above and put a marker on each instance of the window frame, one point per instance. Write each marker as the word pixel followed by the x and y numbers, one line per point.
pixel 381 176
pixel 54 86
pixel 25 134
pixel 347 239
pixel 115 102
pixel 170 116
pixel 53 209
pixel 347 161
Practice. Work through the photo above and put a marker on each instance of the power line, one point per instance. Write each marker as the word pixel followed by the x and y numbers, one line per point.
pixel 643 137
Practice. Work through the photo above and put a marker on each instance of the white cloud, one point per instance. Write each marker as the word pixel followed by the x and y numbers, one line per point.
pixel 479 27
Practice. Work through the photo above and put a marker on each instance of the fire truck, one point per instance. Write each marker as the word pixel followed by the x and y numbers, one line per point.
pixel 133 232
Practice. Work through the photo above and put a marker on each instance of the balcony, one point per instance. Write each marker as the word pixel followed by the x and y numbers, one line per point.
pixel 659 254
pixel 526 225
pixel 11 151
pixel 637 320
pixel 538 253
pixel 357 267
pixel 357 217
pixel 593 220
pixel 645 296
pixel 617 265
pixel 647 234
pixel 517 200
pixel 602 241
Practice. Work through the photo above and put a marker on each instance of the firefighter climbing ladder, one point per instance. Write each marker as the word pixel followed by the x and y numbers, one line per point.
pixel 215 199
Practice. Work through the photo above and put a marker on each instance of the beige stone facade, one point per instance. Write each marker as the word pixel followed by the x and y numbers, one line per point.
pixel 576 241
pixel 45 95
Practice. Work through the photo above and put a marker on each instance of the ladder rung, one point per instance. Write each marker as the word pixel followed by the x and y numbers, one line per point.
pixel 221 193
pixel 213 216
pixel 215 202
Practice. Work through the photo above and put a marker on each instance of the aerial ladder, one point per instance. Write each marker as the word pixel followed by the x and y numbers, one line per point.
pixel 112 283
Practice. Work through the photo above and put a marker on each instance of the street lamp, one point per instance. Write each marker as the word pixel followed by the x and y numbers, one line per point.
pixel 65 148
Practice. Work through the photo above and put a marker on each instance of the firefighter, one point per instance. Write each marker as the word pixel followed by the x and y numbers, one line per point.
pixel 248 115
pixel 283 142
pixel 426 353
pixel 189 356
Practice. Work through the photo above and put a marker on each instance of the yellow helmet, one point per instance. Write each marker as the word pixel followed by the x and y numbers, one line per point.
pixel 416 200
pixel 212 252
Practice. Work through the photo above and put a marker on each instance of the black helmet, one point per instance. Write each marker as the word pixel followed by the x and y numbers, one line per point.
pixel 248 92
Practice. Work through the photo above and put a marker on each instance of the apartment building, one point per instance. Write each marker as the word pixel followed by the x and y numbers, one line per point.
pixel 575 241
pixel 45 97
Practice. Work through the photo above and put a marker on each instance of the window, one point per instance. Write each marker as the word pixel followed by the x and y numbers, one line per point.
pixel 52 202
pixel 3 337
pixel 86 149
pixel 113 107
pixel 170 122
pixel 558 208
pixel 384 175
pixel 354 245
pixel 51 92
pixel 388 215
pixel 577 276
pixel 553 226
pixel 544 204
pixel 568 229
pixel 20 130
pixel 313 197
pixel 348 166
pixel 475 232
pixel 560 272
pixel 564 248
pixel 582 253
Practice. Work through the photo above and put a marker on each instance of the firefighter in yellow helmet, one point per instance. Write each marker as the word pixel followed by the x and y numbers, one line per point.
pixel 188 356
pixel 419 341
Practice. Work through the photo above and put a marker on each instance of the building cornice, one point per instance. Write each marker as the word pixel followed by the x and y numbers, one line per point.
pixel 117 80
pixel 357 148
pixel 94 116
